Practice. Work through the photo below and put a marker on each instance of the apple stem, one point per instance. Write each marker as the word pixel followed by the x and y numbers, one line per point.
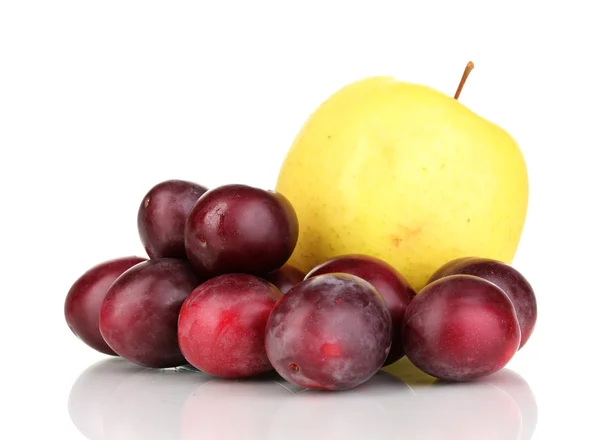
pixel 465 75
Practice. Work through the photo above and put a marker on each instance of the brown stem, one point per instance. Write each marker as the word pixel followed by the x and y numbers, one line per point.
pixel 465 75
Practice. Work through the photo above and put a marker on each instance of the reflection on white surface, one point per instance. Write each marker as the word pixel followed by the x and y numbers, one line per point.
pixel 114 400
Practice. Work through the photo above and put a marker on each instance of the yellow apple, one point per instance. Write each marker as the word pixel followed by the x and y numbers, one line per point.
pixel 407 174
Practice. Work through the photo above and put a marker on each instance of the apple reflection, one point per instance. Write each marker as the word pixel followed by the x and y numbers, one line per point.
pixel 115 400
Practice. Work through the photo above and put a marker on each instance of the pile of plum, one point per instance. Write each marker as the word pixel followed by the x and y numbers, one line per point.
pixel 218 294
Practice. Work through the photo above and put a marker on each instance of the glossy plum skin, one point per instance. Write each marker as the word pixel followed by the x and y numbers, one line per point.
pixel 162 215
pixel 240 229
pixel 511 281
pixel 285 277
pixel 460 328
pixel 84 299
pixel 330 332
pixel 393 287
pixel 222 324
pixel 138 318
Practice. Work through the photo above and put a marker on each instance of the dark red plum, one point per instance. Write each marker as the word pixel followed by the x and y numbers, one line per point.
pixel 285 277
pixel 84 299
pixel 460 328
pixel 330 332
pixel 138 318
pixel 393 287
pixel 222 325
pixel 510 280
pixel 162 215
pixel 240 229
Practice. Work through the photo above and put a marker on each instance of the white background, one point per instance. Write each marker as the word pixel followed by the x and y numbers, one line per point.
pixel 101 100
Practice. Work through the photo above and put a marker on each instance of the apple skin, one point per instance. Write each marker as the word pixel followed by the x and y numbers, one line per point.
pixel 510 280
pixel 406 173
pixel 391 285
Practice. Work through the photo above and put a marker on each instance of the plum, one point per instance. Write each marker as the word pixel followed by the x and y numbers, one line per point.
pixel 240 229
pixel 285 277
pixel 162 215
pixel 138 318
pixel 84 299
pixel 329 332
pixel 460 328
pixel 510 280
pixel 222 324
pixel 393 287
